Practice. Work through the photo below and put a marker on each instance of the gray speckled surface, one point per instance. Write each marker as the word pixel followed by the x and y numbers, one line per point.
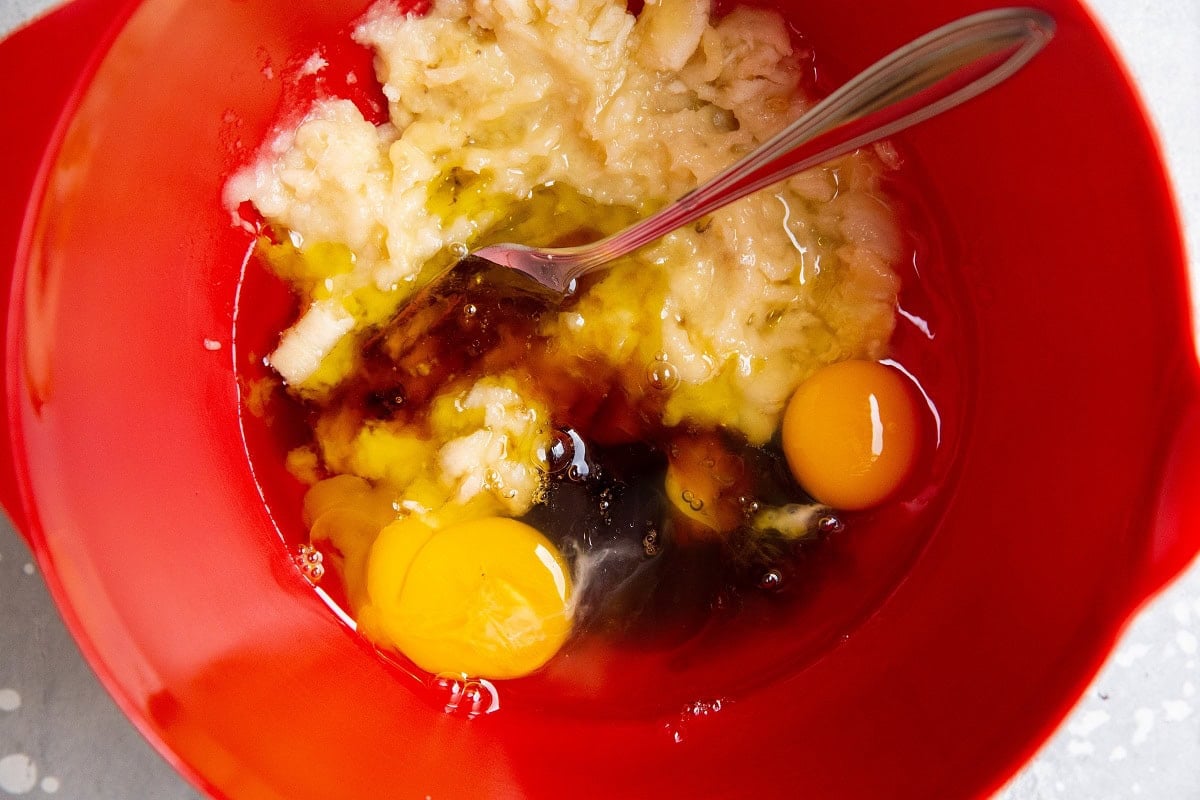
pixel 1135 732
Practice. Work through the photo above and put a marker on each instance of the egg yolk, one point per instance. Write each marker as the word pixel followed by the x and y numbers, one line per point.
pixel 850 434
pixel 702 477
pixel 488 598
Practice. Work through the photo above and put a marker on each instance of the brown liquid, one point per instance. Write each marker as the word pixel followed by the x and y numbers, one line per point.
pixel 650 568
pixel 674 615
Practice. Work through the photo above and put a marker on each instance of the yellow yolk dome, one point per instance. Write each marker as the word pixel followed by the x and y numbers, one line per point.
pixel 488 598
pixel 851 434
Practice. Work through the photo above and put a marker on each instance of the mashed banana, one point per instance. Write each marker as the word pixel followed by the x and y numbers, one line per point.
pixel 491 101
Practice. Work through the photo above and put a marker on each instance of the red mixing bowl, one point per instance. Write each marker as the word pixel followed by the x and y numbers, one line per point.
pixel 1077 438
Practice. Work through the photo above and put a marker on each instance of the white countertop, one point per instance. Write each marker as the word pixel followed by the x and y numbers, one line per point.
pixel 1135 733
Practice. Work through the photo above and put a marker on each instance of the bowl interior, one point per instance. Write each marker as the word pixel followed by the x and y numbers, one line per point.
pixel 985 612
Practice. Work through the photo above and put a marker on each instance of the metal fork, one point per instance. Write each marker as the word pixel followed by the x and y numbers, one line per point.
pixel 930 75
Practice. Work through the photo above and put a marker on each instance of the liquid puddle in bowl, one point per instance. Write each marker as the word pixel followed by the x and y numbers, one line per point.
pixel 729 631
pixel 734 640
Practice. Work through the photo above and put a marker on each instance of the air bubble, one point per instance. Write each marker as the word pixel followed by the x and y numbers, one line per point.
pixel 492 481
pixel 650 545
pixel 830 524
pixel 310 560
pixel 560 452
pixel 459 249
pixel 662 376
pixel 465 697
pixel 702 708
pixel 694 503
pixel 469 310
pixel 697 710
pixel 749 505
pixel 386 403
pixel 771 580
pixel 567 456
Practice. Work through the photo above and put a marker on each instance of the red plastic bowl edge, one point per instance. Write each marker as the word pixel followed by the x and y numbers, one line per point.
pixel 61 51
pixel 64 48
pixel 1176 532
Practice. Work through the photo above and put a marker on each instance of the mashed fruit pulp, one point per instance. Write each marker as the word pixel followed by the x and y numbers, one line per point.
pixel 636 420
